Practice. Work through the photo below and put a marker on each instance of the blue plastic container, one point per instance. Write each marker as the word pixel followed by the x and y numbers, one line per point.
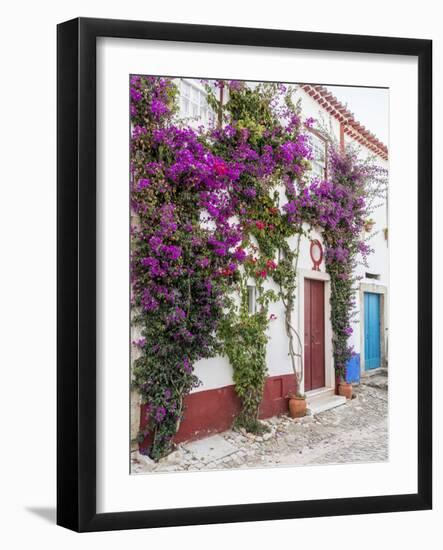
pixel 353 369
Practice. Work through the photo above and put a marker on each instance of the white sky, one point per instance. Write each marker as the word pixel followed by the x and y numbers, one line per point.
pixel 369 105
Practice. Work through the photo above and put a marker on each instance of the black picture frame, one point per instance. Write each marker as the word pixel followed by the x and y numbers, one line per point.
pixel 76 279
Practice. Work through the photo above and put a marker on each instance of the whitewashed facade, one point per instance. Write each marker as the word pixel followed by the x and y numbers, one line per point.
pixel 216 373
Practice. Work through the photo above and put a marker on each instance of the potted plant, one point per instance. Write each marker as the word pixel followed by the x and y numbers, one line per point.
pixel 297 405
pixel 296 400
pixel 345 389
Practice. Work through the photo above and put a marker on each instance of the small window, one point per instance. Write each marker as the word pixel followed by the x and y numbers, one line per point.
pixel 193 102
pixel 319 155
pixel 372 276
pixel 252 302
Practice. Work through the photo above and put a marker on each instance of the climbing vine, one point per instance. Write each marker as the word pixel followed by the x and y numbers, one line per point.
pixel 184 254
pixel 356 186
pixel 263 131
pixel 243 333
pixel 340 206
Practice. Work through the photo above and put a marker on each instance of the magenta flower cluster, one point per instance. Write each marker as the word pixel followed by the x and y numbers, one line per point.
pixel 185 252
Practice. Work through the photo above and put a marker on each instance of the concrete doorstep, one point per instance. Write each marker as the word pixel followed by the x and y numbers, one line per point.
pixel 323 403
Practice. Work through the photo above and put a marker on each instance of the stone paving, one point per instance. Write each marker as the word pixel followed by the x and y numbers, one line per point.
pixel 352 433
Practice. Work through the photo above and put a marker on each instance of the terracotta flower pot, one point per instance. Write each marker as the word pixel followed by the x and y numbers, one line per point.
pixel 345 390
pixel 297 407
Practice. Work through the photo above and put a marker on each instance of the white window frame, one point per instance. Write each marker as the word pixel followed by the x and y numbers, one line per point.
pixel 193 95
pixel 320 168
pixel 252 299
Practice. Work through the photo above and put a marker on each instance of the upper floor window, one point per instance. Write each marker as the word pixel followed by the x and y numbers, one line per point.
pixel 252 300
pixel 193 102
pixel 319 155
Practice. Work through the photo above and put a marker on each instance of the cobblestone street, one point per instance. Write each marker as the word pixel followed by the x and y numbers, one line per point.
pixel 354 432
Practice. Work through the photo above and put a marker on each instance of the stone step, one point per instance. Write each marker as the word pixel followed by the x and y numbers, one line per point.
pixel 323 403
pixel 213 447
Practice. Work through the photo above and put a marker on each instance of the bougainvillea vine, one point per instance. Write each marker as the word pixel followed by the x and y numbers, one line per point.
pixel 184 252
pixel 340 207
pixel 265 133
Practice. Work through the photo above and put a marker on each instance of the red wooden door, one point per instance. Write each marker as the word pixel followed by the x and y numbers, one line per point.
pixel 314 375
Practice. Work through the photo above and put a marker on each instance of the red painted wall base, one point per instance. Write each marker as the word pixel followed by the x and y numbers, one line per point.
pixel 213 411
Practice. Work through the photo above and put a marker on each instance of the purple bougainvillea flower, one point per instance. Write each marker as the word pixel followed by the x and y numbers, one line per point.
pixel 250 192
pixel 171 251
pixel 149 262
pixel 148 302
pixel 236 85
pixel 160 414
pixel 203 262
pixel 140 343
pixel 167 393
pixel 136 95
pixel 142 183
pixel 187 365
pixel 158 108
pixel 155 242
pixel 240 254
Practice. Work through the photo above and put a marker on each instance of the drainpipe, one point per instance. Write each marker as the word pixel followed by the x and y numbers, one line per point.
pixel 220 111
pixel 342 137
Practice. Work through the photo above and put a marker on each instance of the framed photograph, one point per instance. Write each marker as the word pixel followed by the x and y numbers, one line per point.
pixel 244 274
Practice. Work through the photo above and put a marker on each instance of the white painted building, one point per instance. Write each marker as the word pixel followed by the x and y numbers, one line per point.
pixel 212 406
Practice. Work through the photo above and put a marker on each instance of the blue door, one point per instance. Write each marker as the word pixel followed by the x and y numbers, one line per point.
pixel 372 331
